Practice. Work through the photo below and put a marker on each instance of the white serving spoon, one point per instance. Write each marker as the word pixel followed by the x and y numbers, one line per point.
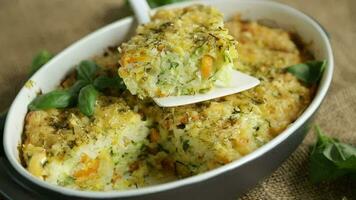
pixel 239 83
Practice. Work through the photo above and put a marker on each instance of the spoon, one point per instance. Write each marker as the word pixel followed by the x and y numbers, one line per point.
pixel 239 83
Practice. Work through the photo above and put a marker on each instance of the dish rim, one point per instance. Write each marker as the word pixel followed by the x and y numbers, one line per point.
pixel 308 112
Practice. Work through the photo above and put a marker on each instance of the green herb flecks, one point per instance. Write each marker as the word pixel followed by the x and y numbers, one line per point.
pixel 67 180
pixel 186 145
pixel 331 159
pixel 309 72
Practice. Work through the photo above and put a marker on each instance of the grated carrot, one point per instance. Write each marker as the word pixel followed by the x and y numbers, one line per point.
pixel 206 66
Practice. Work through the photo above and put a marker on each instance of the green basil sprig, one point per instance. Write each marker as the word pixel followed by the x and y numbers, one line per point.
pixel 84 91
pixel 331 159
pixel 309 72
pixel 39 60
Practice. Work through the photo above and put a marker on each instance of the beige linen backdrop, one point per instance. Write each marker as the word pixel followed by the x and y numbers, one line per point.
pixel 26 26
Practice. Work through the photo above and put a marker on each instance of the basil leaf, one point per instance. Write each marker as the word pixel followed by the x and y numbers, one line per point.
pixel 322 169
pixel 309 72
pixel 79 84
pixel 87 99
pixel 349 154
pixel 86 70
pixel 39 60
pixel 54 99
pixel 343 155
pixel 331 159
pixel 103 82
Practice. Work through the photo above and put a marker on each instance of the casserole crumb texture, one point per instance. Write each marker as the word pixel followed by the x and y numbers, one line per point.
pixel 131 143
pixel 180 52
pixel 66 148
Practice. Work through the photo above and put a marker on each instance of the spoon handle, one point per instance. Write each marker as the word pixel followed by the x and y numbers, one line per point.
pixel 141 10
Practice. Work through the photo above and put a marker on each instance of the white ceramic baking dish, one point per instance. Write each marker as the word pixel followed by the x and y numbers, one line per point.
pixel 226 182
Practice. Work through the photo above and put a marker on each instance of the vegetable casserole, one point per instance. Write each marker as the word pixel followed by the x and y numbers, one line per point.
pixel 129 143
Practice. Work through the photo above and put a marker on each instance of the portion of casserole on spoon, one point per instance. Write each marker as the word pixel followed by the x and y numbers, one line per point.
pixel 183 51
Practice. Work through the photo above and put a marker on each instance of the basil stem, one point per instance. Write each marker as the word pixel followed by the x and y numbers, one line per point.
pixel 309 72
pixel 103 82
pixel 86 70
pixel 87 99
pixel 39 60
pixel 54 99
pixel 331 159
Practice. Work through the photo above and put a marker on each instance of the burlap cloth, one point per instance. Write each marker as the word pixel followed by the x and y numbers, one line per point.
pixel 26 26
